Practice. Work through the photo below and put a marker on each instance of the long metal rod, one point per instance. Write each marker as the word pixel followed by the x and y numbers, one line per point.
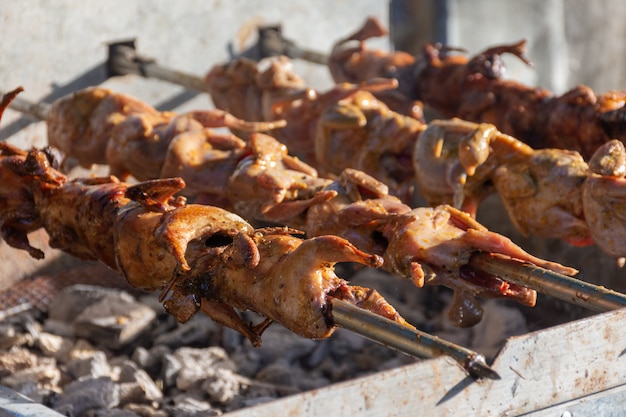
pixel 123 59
pixel 372 326
pixel 416 343
pixel 544 281
pixel 407 339
pixel 528 275
pixel 192 82
pixel 547 282
pixel 38 110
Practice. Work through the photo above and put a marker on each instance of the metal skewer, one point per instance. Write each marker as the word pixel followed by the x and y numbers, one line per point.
pixel 25 106
pixel 123 59
pixel 551 283
pixel 416 343
pixel 528 275
pixel 544 281
pixel 372 326
pixel 407 340
pixel 272 43
pixel 38 110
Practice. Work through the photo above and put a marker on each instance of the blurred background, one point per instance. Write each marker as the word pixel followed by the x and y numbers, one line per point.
pixel 54 48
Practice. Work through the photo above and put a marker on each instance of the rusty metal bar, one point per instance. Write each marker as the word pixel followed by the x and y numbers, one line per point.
pixel 38 110
pixel 559 286
pixel 272 43
pixel 407 339
pixel 544 281
pixel 123 59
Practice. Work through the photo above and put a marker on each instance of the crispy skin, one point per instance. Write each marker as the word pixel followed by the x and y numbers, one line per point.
pixel 543 195
pixel 474 88
pixel 252 92
pixel 273 186
pixel 198 256
pixel 80 124
pixel 452 163
pixel 346 126
pixel 361 132
pixel 296 303
pixel 98 126
pixel 414 242
pixel 427 245
pixel 268 185
pixel 205 160
pixel 350 61
pixel 603 196
pixel 460 163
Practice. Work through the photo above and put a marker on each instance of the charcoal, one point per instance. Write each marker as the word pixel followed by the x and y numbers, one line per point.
pixel 248 361
pixel 222 386
pixel 150 359
pixel 232 340
pixel 145 410
pixel 188 406
pixel 71 301
pixel 82 349
pixel 114 321
pixel 93 366
pixel 87 394
pixel 251 402
pixel 500 323
pixel 15 359
pixel 198 368
pixel 53 345
pixel 280 343
pixel 11 337
pixel 142 386
pixel 278 373
pixel 289 379
pixel 45 374
pixel 112 413
pixel 171 366
pixel 59 328
pixel 198 364
pixel 317 355
pixel 200 330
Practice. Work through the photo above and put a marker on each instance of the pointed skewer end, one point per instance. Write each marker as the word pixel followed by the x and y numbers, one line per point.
pixel 478 368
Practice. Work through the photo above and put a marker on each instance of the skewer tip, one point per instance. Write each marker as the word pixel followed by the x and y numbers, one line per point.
pixel 478 368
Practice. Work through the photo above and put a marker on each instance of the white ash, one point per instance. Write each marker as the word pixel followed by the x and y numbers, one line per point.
pixel 163 369
pixel 54 346
pixel 93 366
pixel 199 364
